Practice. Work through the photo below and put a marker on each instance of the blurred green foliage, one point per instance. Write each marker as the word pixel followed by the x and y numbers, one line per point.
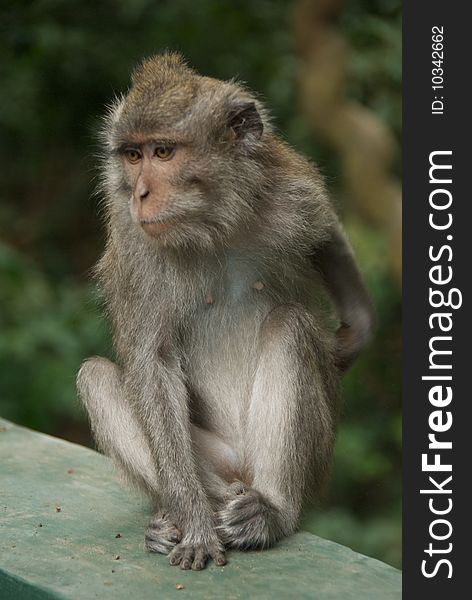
pixel 62 60
pixel 46 326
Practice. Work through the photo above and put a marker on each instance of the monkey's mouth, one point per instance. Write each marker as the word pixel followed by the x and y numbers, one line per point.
pixel 154 227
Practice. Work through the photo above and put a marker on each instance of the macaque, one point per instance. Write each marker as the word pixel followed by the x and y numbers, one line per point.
pixel 222 401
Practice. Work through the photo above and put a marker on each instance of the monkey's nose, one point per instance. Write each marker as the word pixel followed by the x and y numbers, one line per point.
pixel 142 190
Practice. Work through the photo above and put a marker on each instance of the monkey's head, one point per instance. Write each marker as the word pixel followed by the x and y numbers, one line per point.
pixel 183 155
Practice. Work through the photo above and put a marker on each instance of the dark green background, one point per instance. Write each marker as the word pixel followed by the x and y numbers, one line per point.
pixel 61 61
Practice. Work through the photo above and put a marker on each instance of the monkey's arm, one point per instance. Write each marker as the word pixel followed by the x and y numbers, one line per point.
pixel 160 398
pixel 337 265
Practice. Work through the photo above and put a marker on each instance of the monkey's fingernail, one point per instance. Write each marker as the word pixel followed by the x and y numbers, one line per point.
pixel 258 286
pixel 209 299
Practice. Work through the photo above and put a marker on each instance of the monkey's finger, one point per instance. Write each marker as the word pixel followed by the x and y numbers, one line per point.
pixel 175 537
pixel 187 558
pixel 200 560
pixel 156 544
pixel 161 527
pixel 236 489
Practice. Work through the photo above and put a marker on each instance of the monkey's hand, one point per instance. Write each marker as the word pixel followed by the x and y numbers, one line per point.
pixel 196 549
pixel 248 520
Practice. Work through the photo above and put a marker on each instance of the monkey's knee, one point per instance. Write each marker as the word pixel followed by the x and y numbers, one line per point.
pixel 96 377
pixel 286 317
pixel 292 325
pixel 96 370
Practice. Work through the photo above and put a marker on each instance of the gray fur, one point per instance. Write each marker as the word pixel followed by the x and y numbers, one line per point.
pixel 222 404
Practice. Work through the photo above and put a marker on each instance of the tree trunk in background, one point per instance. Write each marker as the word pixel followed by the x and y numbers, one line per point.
pixel 364 142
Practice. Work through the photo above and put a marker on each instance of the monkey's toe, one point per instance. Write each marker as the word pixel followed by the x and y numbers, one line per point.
pixel 196 555
pixel 249 521
pixel 161 534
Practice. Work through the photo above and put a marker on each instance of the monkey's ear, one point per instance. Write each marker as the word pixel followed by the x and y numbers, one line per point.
pixel 245 120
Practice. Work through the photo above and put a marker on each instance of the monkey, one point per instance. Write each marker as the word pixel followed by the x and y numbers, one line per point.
pixel 223 398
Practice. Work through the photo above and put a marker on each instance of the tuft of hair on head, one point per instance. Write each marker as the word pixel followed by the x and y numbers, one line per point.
pixel 161 69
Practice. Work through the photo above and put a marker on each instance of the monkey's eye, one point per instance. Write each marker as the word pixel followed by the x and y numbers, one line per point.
pixel 165 151
pixel 132 155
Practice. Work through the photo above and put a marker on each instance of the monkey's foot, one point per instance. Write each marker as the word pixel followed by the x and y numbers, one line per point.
pixel 248 520
pixel 194 554
pixel 161 534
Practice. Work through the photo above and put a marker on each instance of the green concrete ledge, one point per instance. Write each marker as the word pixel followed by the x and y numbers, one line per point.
pixel 62 508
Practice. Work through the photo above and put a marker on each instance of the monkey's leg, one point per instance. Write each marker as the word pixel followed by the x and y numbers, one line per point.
pixel 290 430
pixel 120 436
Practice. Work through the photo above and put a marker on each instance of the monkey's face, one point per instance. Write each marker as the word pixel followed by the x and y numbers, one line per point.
pixel 184 155
pixel 153 171
pixel 180 192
